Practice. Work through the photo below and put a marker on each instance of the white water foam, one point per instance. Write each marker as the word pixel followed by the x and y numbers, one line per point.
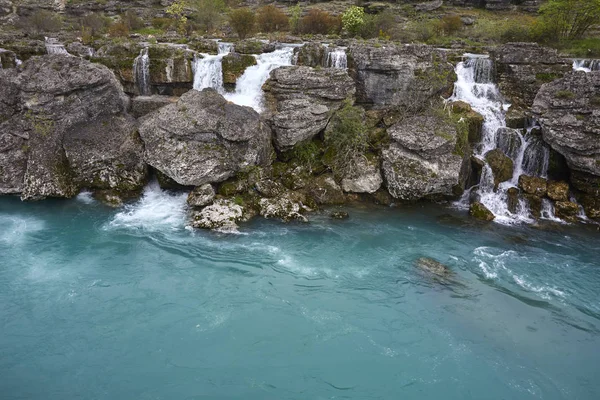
pixel 85 197
pixel 53 46
pixel 248 88
pixel 337 58
pixel 156 210
pixel 208 69
pixel 16 228
pixel 586 65
pixel 141 72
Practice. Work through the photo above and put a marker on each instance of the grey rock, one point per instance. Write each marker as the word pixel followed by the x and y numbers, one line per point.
pixel 502 166
pixel 68 117
pixel 399 75
pixel 568 110
pixel 365 177
pixel 420 160
pixel 222 216
pixel 283 207
pixel 301 101
pixel 204 139
pixel 311 55
pixel 142 105
pixel 201 195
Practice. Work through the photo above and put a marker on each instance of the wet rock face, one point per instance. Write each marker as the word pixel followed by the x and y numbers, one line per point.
pixel 558 191
pixel 479 211
pixel 569 112
pixel 566 210
pixel 201 196
pixel 66 127
pixel 234 65
pixel 301 100
pixel 221 216
pixel 400 75
pixel 522 68
pixel 204 139
pixel 311 55
pixel 533 185
pixel 420 160
pixel 501 165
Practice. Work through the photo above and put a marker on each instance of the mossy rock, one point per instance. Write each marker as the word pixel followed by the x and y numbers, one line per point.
pixel 481 212
pixel 234 65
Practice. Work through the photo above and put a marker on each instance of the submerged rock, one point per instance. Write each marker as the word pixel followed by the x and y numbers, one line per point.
pixel 432 266
pixel 65 127
pixel 339 215
pixel 479 211
pixel 204 139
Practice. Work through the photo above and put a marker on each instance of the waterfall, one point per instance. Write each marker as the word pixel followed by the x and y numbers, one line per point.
pixel 141 72
pixel 208 69
pixel 248 88
pixel 586 65
pixel 53 46
pixel 475 85
pixel 336 58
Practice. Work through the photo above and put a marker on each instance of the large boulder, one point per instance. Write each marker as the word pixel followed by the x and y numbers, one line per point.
pixel 301 100
pixel 421 159
pixel 568 110
pixel 234 65
pixel 203 139
pixel 65 127
pixel 522 68
pixel 501 165
pixel 363 176
pixel 399 75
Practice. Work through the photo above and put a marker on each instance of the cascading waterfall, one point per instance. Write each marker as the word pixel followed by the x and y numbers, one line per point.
pixel 141 72
pixel 208 70
pixel 336 58
pixel 586 65
pixel 475 85
pixel 53 46
pixel 248 88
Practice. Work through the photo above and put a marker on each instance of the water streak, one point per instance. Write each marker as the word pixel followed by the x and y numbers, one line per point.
pixel 53 46
pixel 141 72
pixel 336 58
pixel 586 65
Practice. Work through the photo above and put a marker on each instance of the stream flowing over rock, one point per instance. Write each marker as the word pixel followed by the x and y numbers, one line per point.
pixel 301 100
pixel 64 128
pixel 203 139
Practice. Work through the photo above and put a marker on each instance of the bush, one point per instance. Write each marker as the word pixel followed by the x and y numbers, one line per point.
pixel 347 140
pixel 132 21
pixel 353 20
pixel 208 13
pixel 41 21
pixel 271 19
pixel 568 19
pixel 119 29
pixel 319 22
pixel 381 26
pixel 242 21
pixel 177 11
pixel 450 24
pixel 94 24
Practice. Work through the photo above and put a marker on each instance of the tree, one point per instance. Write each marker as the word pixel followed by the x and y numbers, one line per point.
pixel 177 11
pixel 208 13
pixel 295 13
pixel 353 19
pixel 569 19
pixel 272 19
pixel 242 21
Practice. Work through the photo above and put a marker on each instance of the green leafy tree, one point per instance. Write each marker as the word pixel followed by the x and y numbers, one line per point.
pixel 353 19
pixel 569 19
pixel 177 12
pixel 272 19
pixel 295 14
pixel 242 21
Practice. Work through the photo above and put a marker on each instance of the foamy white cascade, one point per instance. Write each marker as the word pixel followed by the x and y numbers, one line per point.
pixel 248 88
pixel 208 70
pixel 53 46
pixel 141 72
pixel 475 85
pixel 586 65
pixel 337 58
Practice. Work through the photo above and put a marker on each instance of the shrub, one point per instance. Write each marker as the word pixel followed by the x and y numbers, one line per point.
pixel 132 21
pixel 208 13
pixel 347 140
pixel 380 25
pixel 242 21
pixel 177 11
pixel 119 29
pixel 450 24
pixel 94 24
pixel 569 19
pixel 353 20
pixel 295 13
pixel 319 22
pixel 41 21
pixel 162 23
pixel 271 19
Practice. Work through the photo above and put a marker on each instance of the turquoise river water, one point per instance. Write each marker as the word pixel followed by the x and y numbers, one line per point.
pixel 98 303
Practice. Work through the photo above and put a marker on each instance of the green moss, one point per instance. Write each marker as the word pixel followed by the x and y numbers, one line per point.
pixel 546 77
pixel 564 94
